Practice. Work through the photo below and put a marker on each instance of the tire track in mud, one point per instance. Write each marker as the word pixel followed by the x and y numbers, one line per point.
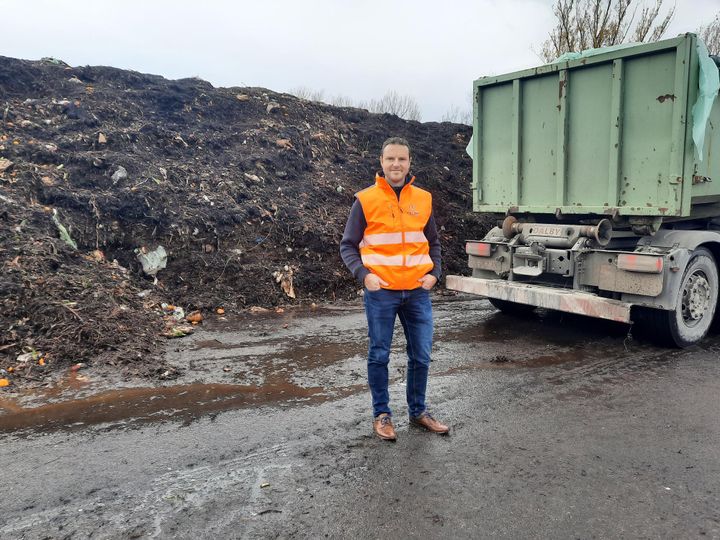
pixel 578 357
pixel 242 497
pixel 173 497
pixel 630 364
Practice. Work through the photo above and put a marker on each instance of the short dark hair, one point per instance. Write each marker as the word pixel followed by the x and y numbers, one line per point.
pixel 395 140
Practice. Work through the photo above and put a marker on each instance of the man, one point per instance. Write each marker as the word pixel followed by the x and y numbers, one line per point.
pixel 392 247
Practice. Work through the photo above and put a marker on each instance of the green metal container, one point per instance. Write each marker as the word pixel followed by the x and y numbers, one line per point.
pixel 606 134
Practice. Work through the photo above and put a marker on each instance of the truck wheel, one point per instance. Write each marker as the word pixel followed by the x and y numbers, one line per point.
pixel 692 317
pixel 511 308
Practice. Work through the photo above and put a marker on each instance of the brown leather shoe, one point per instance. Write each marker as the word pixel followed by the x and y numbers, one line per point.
pixel 383 427
pixel 426 421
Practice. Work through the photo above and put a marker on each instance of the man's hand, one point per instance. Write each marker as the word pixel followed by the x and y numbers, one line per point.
pixel 373 282
pixel 428 281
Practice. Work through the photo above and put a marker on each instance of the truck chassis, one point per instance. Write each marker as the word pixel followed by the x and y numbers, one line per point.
pixel 666 282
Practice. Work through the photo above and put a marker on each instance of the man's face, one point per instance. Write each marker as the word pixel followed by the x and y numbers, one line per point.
pixel 395 163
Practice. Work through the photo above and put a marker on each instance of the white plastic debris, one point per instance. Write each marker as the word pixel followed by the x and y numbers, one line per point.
pixel 152 261
pixel 119 174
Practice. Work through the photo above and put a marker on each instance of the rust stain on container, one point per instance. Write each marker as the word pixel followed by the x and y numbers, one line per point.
pixel 665 97
pixel 561 88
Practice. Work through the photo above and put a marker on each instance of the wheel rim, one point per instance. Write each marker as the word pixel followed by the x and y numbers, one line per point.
pixel 695 298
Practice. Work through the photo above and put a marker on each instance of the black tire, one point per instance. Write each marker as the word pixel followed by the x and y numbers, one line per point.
pixel 512 308
pixel 688 323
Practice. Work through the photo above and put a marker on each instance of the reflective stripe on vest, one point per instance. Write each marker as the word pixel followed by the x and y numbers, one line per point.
pixel 395 260
pixel 382 260
pixel 381 239
pixel 416 260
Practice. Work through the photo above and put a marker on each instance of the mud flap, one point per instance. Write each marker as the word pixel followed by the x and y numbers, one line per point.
pixel 567 300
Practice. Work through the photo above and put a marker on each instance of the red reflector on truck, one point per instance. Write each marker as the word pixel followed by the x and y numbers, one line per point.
pixel 640 263
pixel 477 248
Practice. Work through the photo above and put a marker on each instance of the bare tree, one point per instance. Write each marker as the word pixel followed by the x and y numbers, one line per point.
pixel 710 34
pixel 588 24
pixel 457 115
pixel 341 101
pixel 308 94
pixel 401 105
pixel 393 103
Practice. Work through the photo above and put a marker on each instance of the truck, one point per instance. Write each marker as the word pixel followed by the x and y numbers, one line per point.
pixel 602 170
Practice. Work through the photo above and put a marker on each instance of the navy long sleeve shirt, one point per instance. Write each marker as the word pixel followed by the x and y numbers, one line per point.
pixel 355 230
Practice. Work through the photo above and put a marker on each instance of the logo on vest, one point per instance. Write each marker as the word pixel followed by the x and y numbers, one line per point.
pixel 412 210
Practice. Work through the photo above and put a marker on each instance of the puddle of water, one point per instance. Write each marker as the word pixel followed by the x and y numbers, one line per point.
pixel 185 402
pixel 72 383
pixel 510 362
pixel 69 384
pixel 307 356
pixel 575 355
pixel 216 344
pixel 151 404
pixel 539 328
pixel 320 354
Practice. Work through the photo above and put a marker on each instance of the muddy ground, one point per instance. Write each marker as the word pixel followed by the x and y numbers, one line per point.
pixel 246 190
pixel 562 427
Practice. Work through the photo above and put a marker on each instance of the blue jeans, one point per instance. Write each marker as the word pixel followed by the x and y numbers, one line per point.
pixel 415 312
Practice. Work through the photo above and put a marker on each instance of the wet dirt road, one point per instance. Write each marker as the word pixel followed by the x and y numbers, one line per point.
pixel 562 427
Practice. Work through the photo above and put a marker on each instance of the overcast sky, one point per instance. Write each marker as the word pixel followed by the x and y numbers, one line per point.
pixel 355 48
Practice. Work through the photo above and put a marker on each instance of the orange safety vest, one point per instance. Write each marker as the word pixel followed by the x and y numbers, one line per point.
pixel 394 245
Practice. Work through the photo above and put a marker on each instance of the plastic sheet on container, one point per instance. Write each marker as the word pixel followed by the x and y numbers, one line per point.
pixel 709 84
pixel 568 56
